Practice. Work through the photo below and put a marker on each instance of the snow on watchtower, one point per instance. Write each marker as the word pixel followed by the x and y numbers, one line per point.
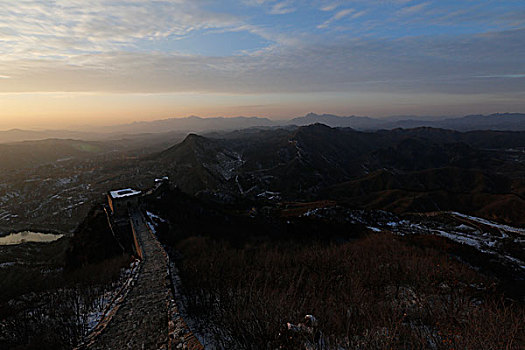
pixel 121 200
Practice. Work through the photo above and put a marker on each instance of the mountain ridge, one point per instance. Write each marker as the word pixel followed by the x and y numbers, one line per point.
pixel 319 162
pixel 194 124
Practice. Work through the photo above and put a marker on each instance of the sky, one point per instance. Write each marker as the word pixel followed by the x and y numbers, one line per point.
pixel 66 63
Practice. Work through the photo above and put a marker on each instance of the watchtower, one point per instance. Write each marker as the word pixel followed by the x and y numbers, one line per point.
pixel 121 200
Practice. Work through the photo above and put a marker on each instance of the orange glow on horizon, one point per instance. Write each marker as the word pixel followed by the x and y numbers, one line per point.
pixel 74 110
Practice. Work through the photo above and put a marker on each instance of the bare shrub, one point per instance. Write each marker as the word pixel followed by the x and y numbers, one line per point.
pixel 377 292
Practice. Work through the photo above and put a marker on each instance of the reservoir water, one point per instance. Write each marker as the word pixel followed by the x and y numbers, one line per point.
pixel 27 236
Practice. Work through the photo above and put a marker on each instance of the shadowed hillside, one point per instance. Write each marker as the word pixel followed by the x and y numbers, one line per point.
pixel 421 169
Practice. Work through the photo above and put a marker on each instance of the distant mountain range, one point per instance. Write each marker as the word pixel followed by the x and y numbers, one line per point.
pixel 189 124
pixel 502 122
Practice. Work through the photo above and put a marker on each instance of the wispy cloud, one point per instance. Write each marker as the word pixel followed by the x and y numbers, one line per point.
pixel 336 17
pixel 329 7
pixel 358 14
pixel 33 28
pixel 276 7
pixel 413 9
pixel 282 8
pixel 445 65
pixel 505 76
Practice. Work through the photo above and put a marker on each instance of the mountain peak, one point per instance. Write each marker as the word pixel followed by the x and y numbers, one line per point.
pixel 192 140
pixel 311 115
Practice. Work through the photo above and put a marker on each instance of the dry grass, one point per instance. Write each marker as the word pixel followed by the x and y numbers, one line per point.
pixel 377 292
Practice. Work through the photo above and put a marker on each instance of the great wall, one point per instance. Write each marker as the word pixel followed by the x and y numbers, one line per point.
pixel 145 313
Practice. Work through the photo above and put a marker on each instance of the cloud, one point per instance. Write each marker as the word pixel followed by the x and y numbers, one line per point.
pixel 358 14
pixel 276 7
pixel 257 2
pixel 337 16
pixel 32 28
pixel 282 8
pixel 505 76
pixel 329 7
pixel 413 9
pixel 435 65
pixel 342 13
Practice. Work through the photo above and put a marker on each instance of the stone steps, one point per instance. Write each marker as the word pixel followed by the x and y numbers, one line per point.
pixel 146 318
